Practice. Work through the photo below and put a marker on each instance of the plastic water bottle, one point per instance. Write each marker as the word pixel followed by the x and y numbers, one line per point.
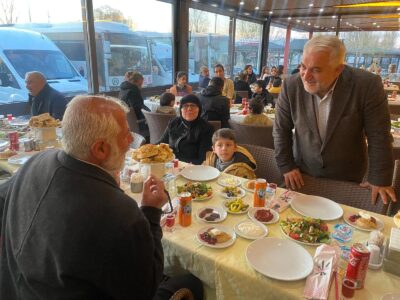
pixel 270 193
pixel 170 179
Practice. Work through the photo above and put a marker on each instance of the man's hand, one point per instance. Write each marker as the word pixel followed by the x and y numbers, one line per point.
pixel 383 191
pixel 153 193
pixel 293 179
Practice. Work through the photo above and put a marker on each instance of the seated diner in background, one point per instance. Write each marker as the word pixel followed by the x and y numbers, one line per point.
pixel 241 84
pixel 42 97
pixel 228 157
pixel 276 86
pixel 204 77
pixel 188 135
pixel 181 88
pixel 70 231
pixel 167 102
pixel 256 114
pixel 251 76
pixel 265 73
pixel 229 88
pixel 258 89
pixel 274 76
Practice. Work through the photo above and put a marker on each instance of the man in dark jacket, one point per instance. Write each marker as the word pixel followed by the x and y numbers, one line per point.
pixel 68 230
pixel 42 97
pixel 215 107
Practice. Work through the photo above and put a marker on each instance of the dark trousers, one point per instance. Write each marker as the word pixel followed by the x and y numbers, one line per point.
pixel 169 286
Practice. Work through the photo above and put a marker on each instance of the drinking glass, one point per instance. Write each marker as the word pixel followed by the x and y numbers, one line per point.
pixel 348 289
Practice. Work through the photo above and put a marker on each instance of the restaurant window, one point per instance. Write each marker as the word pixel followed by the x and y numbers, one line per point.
pixel 247 46
pixel 133 36
pixel 30 43
pixel 209 42
pixel 276 46
pixel 297 42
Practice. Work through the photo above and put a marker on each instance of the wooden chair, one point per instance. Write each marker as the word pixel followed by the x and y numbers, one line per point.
pixel 344 192
pixel 253 134
pixel 138 140
pixel 157 123
pixel 215 124
pixel 266 163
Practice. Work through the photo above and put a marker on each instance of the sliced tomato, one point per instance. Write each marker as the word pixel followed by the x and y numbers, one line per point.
pixel 323 227
pixel 294 236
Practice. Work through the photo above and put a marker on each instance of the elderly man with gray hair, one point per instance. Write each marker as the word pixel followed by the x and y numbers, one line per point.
pixel 42 97
pixel 69 231
pixel 335 110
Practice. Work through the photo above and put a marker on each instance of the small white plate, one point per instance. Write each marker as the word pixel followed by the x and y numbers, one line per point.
pixel 228 230
pixel 379 223
pixel 279 259
pixel 241 194
pixel 248 236
pixel 22 158
pixel 200 173
pixel 19 122
pixel 222 213
pixel 253 210
pixel 234 110
pixel 229 181
pixel 235 213
pixel 245 187
pixel 317 207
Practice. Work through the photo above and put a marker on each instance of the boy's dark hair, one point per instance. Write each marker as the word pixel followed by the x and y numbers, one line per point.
pixel 166 99
pixel 256 105
pixel 223 133
pixel 217 82
pixel 261 83
pixel 277 82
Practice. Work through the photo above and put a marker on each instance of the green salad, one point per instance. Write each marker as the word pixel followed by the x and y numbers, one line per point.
pixel 307 230
pixel 396 124
pixel 199 190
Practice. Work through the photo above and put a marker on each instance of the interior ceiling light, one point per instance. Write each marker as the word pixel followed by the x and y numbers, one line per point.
pixel 311 4
pixel 321 10
pixel 378 26
pixel 333 17
pixel 289 18
pixel 214 4
pixel 256 8
pixel 308 24
pixel 271 12
pixel 371 4
pixel 298 21
pixel 241 3
pixel 374 23
pixel 398 8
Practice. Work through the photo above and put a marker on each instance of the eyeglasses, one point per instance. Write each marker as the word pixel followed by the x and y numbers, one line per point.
pixel 187 106
pixel 171 208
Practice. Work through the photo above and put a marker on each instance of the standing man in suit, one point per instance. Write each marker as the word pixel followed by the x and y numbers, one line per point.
pixel 335 110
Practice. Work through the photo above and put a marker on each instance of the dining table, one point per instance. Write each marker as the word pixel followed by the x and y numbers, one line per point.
pixel 227 274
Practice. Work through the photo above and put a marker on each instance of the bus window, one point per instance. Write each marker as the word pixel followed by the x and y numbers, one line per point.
pixel 6 77
pixel 128 58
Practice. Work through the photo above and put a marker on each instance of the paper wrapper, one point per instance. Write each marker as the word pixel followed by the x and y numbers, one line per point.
pixel 325 263
pixel 282 202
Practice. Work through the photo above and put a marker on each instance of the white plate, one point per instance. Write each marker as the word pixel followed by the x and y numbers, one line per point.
pixel 235 213
pixel 229 181
pixel 253 210
pixel 20 159
pixel 4 143
pixel 245 187
pixel 234 110
pixel 219 210
pixel 200 173
pixel 241 194
pixel 316 207
pixel 300 242
pixel 248 236
pixel 379 223
pixel 279 259
pixel 19 122
pixel 391 296
pixel 228 230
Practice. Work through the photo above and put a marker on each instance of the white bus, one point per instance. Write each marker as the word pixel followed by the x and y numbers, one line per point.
pixel 22 51
pixel 118 50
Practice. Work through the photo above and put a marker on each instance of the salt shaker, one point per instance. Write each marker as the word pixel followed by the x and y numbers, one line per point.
pixel 136 183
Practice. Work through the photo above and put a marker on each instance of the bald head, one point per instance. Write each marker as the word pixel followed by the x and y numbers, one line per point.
pixel 88 119
pixel 35 81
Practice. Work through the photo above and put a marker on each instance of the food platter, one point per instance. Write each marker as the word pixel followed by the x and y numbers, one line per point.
pixel 200 173
pixel 260 232
pixel 284 260
pixel 244 185
pixel 200 191
pixel 205 214
pixel 229 181
pixel 379 223
pixel 222 228
pixel 316 207
pixel 240 212
pixel 252 211
pixel 236 191
pixel 20 159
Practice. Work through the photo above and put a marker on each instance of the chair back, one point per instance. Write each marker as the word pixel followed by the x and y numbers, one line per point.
pixel 343 192
pixel 132 120
pixel 157 123
pixel 242 94
pixel 253 134
pixel 138 140
pixel 215 124
pixel 266 164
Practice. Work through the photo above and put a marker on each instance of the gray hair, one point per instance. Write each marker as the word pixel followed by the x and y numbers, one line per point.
pixel 35 74
pixel 85 121
pixel 329 43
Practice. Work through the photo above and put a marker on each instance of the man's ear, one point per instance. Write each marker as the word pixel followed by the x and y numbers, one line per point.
pixel 340 68
pixel 100 150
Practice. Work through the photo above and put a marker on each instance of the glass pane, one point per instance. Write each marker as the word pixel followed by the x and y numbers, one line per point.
pixel 276 47
pixel 34 43
pixel 297 41
pixel 372 50
pixel 247 46
pixel 209 42
pixel 133 35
